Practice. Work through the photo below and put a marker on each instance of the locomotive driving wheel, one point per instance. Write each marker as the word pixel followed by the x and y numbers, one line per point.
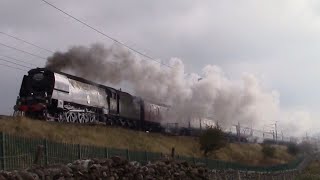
pixel 92 117
pixel 71 117
pixel 83 117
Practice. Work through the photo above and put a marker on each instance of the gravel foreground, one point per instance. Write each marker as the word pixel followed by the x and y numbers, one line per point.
pixel 118 168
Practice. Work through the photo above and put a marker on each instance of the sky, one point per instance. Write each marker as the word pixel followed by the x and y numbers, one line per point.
pixel 276 40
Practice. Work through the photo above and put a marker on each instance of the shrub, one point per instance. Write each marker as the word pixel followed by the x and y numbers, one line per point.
pixel 212 139
pixel 292 149
pixel 306 147
pixel 268 151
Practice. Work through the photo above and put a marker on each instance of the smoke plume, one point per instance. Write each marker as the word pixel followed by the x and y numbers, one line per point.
pixel 210 94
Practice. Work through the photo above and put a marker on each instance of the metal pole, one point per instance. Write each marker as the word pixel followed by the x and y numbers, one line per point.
pixel 238 131
pixel 79 151
pixel 128 154
pixel 276 131
pixel 3 152
pixel 106 152
pixel 46 151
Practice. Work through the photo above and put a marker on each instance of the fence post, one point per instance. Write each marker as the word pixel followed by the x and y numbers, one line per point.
pixel 146 156
pixel 79 151
pixel 45 144
pixel 128 154
pixel 173 153
pixel 106 152
pixel 38 154
pixel 3 151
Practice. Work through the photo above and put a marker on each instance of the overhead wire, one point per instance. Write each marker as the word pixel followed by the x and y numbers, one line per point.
pixel 26 52
pixel 15 59
pixel 12 67
pixel 27 42
pixel 104 34
pixel 15 63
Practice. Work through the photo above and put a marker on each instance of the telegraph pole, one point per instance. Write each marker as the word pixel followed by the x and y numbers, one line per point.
pixel 238 131
pixel 276 131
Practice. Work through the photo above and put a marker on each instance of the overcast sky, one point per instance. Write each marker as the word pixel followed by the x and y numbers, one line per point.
pixel 277 40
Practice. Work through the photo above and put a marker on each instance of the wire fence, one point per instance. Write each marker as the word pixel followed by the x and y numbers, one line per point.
pixel 20 152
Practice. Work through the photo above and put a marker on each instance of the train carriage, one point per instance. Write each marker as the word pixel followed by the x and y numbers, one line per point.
pixel 154 115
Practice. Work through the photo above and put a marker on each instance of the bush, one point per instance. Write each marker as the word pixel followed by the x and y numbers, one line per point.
pixel 306 147
pixel 292 149
pixel 268 151
pixel 212 139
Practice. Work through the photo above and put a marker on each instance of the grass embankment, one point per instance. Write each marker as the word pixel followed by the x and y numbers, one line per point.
pixel 312 172
pixel 134 140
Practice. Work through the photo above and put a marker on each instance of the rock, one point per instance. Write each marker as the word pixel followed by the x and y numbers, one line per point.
pixel 2 177
pixel 111 178
pixel 134 163
pixel 151 171
pixel 144 169
pixel 194 171
pixel 25 175
pixel 41 174
pixel 139 177
pixel 148 177
pixel 182 173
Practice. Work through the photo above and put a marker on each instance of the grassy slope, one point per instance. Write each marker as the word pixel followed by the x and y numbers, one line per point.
pixel 122 138
pixel 312 172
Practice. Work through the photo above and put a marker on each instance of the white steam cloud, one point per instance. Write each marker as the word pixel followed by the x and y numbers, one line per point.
pixel 210 94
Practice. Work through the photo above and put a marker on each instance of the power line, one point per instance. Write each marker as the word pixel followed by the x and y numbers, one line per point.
pixel 13 67
pixel 43 58
pixel 18 60
pixel 32 44
pixel 102 33
pixel 15 63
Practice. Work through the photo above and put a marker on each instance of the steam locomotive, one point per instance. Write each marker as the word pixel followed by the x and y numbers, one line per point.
pixel 57 96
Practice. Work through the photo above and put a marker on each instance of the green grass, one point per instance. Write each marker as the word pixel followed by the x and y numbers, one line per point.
pixel 134 140
pixel 312 172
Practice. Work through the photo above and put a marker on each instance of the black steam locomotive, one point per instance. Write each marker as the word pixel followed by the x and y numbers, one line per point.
pixel 57 96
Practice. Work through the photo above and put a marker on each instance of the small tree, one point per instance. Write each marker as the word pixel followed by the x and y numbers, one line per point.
pixel 212 139
pixel 292 148
pixel 306 147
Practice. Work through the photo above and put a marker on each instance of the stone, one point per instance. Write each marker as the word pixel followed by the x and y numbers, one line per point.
pixel 151 171
pixel 139 177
